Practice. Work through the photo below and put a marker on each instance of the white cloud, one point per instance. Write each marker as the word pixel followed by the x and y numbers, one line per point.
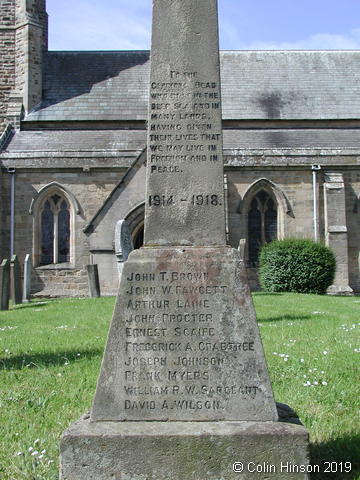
pixel 319 41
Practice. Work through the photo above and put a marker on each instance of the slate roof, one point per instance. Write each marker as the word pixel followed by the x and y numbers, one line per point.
pixel 256 85
pixel 306 138
pixel 118 141
pixel 76 141
pixel 291 85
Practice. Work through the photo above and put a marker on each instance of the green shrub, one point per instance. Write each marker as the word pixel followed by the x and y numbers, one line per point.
pixel 293 265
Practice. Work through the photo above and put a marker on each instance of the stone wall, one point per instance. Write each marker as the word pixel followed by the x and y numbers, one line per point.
pixel 23 43
pixel 31 44
pixel 289 179
pixel 90 191
pixel 295 184
pixel 4 215
pixel 7 56
pixel 352 192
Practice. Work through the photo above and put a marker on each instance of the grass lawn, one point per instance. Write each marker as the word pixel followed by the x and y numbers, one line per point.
pixel 50 354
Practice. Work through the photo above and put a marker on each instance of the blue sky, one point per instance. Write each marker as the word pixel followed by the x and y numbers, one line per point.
pixel 250 24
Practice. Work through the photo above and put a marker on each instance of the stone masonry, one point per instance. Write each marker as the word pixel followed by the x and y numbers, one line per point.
pixel 79 119
pixel 7 62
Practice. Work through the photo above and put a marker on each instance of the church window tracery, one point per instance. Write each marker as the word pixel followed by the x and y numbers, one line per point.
pixel 55 230
pixel 262 224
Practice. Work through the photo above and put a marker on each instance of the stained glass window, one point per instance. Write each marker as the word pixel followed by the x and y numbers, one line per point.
pixel 47 234
pixel 254 228
pixel 64 233
pixel 55 230
pixel 262 224
pixel 270 222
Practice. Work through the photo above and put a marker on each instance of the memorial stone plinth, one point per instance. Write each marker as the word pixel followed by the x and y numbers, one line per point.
pixel 15 280
pixel 93 280
pixel 27 278
pixel 184 390
pixel 4 284
pixel 184 343
pixel 123 244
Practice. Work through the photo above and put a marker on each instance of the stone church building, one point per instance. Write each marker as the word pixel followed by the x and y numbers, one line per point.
pixel 72 152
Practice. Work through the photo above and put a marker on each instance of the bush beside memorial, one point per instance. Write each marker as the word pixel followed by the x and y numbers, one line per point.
pixel 293 265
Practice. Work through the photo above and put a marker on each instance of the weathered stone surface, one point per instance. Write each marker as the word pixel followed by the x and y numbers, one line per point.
pixel 7 64
pixel 336 232
pixel 184 343
pixel 15 279
pixel 242 248
pixel 27 278
pixel 4 284
pixel 123 243
pixel 182 450
pixel 185 190
pixel 93 279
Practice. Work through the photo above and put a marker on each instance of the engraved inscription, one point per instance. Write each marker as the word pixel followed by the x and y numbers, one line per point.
pixel 173 341
pixel 183 112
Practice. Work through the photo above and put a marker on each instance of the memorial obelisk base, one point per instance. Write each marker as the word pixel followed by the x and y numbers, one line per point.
pixel 183 451
pixel 184 392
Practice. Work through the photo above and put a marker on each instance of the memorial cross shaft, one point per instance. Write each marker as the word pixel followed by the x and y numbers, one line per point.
pixel 185 184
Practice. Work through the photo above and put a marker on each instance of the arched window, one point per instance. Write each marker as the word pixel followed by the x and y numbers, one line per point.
pixel 54 209
pixel 262 224
pixel 55 230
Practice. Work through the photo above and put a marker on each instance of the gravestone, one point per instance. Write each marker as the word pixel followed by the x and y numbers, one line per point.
pixel 15 279
pixel 4 284
pixel 27 278
pixel 184 390
pixel 242 248
pixel 93 280
pixel 123 244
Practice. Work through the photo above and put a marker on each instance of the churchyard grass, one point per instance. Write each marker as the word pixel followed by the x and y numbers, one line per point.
pixel 312 346
pixel 50 359
pixel 50 354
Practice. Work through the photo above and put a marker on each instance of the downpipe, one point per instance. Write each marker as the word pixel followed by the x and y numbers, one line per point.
pixel 11 171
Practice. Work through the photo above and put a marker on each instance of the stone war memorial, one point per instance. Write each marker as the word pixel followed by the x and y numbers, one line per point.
pixel 184 391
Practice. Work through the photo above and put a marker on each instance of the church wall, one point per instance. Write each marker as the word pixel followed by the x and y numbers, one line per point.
pixel 352 192
pixel 7 55
pixel 31 43
pixel 90 190
pixel 23 41
pixel 4 215
pixel 124 204
pixel 296 184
